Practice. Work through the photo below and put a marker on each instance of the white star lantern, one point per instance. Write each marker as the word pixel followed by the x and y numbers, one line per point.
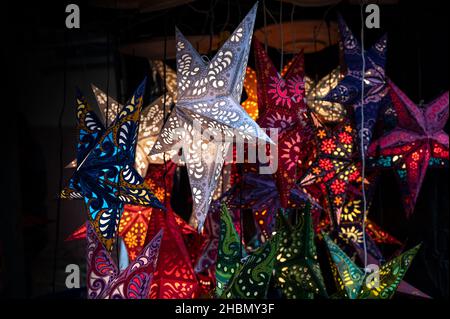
pixel 209 95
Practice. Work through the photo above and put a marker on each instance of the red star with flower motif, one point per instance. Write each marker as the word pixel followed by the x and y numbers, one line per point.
pixel 281 105
pixel 334 168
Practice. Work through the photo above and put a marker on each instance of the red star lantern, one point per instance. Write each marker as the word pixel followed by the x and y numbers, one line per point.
pixel 417 142
pixel 134 222
pixel 281 105
pixel 193 240
pixel 174 277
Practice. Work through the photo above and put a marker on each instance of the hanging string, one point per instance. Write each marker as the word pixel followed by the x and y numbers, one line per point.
pixel 419 71
pixel 329 44
pixel 241 233
pixel 107 79
pixel 117 55
pixel 61 163
pixel 293 34
pixel 227 20
pixel 265 25
pixel 281 35
pixel 316 74
pixel 211 26
pixel 116 49
pixel 239 10
pixel 275 21
pixel 363 156
pixel 164 108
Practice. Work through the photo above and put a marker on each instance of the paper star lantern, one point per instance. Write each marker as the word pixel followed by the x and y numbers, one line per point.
pixel 348 276
pixel 104 281
pixel 105 176
pixel 328 112
pixel 208 256
pixel 348 91
pixel 169 75
pixel 213 90
pixel 353 283
pixel 210 94
pixel 79 233
pixel 350 228
pixel 174 277
pixel 280 97
pixel 134 222
pixel 231 252
pixel 418 142
pixel 260 194
pixel 251 280
pixel 391 275
pixel 152 118
pixel 334 168
pixel 205 266
pixel 193 240
pixel 297 269
pixel 151 122
pixel 403 286
pixel 379 235
pixel 281 105
pixel 250 105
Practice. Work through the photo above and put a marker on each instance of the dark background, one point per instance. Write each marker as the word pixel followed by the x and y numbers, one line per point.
pixel 44 62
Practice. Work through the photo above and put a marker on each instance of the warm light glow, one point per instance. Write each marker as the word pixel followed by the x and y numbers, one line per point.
pixel 250 85
pixel 326 111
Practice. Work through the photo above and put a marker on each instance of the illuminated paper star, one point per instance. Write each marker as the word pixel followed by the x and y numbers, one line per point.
pixel 230 252
pixel 250 105
pixel 353 283
pixel 252 278
pixel 174 277
pixel 104 281
pixel 282 106
pixel 403 286
pixel 418 142
pixel 209 95
pixel 349 89
pixel 297 269
pixel 334 168
pixel 328 112
pixel 151 121
pixel 105 176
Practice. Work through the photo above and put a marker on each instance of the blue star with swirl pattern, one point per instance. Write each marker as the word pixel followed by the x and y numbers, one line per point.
pixel 105 176
pixel 349 90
